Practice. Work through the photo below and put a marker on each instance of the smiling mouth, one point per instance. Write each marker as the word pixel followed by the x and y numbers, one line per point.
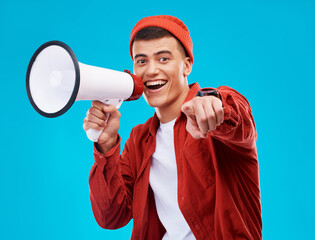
pixel 153 85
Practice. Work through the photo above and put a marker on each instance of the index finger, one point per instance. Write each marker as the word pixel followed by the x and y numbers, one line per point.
pixel 187 109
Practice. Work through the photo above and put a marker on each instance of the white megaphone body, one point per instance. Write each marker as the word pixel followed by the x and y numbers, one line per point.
pixel 55 80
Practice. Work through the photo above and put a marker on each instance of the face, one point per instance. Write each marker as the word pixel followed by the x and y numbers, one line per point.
pixel 163 67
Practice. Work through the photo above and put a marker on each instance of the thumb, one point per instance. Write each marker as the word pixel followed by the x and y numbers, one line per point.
pixel 112 113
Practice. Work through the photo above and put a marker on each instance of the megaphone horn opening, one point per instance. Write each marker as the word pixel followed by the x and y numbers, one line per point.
pixel 52 67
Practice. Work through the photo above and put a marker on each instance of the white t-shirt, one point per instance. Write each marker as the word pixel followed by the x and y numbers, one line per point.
pixel 163 181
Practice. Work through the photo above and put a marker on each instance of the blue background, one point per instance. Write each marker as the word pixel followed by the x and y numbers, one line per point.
pixel 263 49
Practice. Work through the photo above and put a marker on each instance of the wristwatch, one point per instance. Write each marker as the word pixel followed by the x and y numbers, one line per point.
pixel 208 92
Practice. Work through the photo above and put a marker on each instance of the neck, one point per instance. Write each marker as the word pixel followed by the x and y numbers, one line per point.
pixel 169 113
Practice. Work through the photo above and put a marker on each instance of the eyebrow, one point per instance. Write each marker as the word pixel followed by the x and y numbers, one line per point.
pixel 164 51
pixel 158 53
pixel 140 55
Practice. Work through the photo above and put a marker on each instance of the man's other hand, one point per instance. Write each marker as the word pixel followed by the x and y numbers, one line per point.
pixel 204 114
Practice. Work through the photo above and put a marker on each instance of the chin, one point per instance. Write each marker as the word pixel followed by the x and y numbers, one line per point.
pixel 153 104
pixel 156 101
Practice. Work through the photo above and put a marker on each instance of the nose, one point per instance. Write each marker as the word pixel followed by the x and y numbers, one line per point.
pixel 152 69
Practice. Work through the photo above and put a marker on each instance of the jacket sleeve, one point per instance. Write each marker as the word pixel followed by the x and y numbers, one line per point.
pixel 111 188
pixel 238 128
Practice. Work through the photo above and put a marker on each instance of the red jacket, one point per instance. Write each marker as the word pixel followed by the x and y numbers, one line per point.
pixel 218 181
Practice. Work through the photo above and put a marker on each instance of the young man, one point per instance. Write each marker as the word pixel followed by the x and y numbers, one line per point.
pixel 189 172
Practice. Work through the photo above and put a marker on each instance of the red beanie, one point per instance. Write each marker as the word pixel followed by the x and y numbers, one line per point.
pixel 169 23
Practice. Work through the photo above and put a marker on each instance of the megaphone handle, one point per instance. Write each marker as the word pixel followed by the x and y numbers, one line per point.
pixel 93 134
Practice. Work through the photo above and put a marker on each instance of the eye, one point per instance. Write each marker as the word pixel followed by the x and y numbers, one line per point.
pixel 163 59
pixel 141 61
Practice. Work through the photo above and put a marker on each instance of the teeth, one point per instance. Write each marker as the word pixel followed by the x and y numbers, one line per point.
pixel 154 83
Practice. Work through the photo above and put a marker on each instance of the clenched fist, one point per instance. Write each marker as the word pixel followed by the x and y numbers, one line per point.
pixel 106 117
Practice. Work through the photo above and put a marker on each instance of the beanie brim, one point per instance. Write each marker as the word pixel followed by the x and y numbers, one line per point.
pixel 169 23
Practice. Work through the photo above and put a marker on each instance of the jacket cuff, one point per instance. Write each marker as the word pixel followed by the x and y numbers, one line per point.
pixel 227 108
pixel 231 118
pixel 102 160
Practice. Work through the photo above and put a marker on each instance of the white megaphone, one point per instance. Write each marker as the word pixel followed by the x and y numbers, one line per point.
pixel 55 79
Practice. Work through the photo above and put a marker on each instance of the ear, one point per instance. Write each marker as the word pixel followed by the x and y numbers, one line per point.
pixel 187 66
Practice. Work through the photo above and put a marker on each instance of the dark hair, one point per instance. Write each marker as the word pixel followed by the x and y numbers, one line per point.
pixel 150 33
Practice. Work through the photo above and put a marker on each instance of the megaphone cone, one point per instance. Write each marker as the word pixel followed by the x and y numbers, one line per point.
pixel 55 80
